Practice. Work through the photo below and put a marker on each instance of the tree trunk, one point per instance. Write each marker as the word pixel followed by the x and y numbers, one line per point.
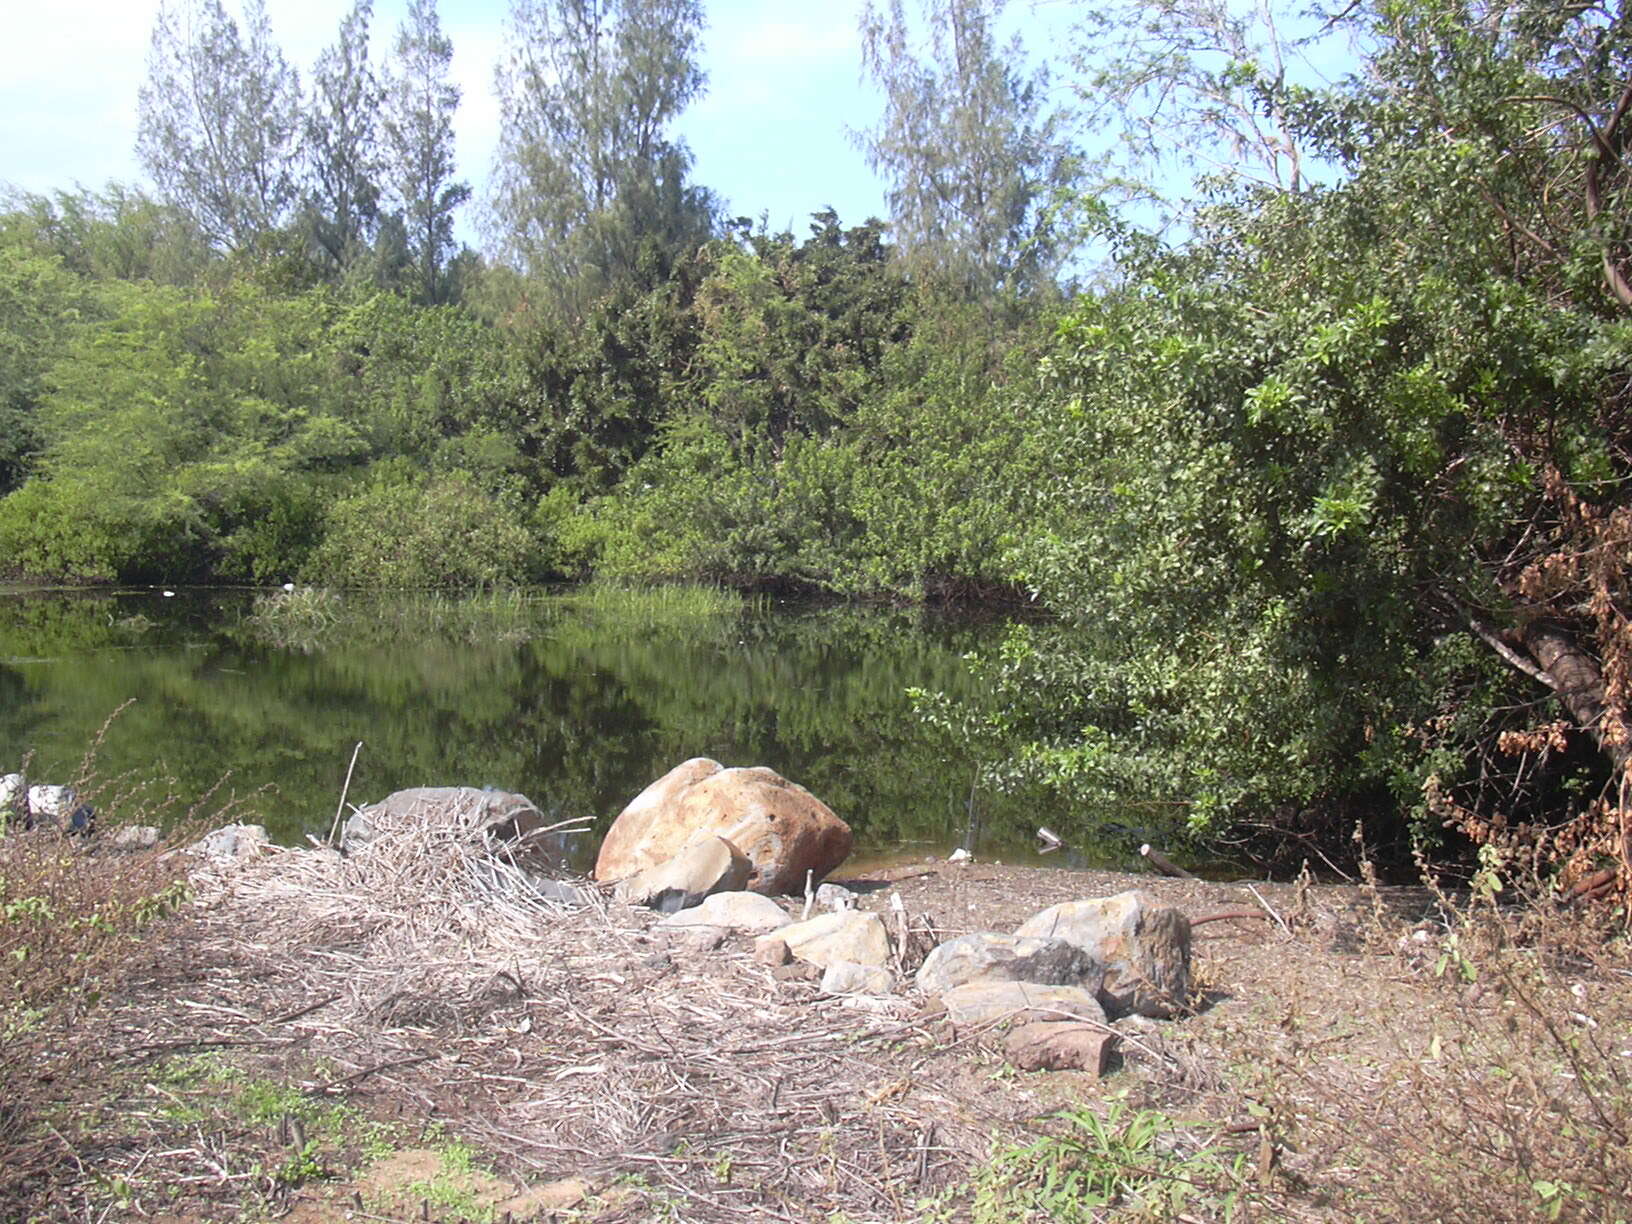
pixel 1577 679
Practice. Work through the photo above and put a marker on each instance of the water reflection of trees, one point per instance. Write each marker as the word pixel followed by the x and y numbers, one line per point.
pixel 579 709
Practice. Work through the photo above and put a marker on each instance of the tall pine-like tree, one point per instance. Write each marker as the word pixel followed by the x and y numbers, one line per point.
pixel 342 146
pixel 589 182
pixel 218 119
pixel 421 101
pixel 972 153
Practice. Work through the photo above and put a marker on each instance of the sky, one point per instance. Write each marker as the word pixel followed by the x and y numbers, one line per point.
pixel 769 135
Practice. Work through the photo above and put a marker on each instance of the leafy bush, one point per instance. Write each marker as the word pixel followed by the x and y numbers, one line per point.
pixel 446 533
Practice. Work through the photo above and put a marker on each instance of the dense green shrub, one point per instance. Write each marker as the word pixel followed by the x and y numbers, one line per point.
pixel 448 532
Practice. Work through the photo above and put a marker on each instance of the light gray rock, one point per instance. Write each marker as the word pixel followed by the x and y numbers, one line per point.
pixel 835 897
pixel 1144 947
pixel 135 837
pixel 708 866
pixel 734 911
pixel 849 935
pixel 1022 1002
pixel 985 956
pixel 847 977
pixel 59 808
pixel 233 843
pixel 13 795
pixel 50 805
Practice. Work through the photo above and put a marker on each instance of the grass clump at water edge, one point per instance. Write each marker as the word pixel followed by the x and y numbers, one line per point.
pixel 307 616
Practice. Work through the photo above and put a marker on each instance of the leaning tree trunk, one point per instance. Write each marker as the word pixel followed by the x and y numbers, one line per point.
pixel 1577 678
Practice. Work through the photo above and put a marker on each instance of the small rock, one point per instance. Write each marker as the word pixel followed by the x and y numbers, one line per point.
pixel 835 897
pixel 988 957
pixel 984 1002
pixel 847 977
pixel 773 952
pixel 849 935
pixel 1060 1045
pixel 136 837
pixel 1144 947
pixel 735 911
pixel 697 938
pixel 233 843
pixel 708 866
pixel 798 971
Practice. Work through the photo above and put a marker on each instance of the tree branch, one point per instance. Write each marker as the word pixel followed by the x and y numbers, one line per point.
pixel 1492 639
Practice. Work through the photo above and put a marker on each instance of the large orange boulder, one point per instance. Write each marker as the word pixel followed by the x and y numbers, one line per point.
pixel 783 829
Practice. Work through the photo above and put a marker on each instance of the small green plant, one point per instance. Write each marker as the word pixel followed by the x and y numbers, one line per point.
pixel 1130 1160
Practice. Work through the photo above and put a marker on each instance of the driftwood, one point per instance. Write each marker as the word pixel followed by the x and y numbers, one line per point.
pixel 1592 887
pixel 1233 913
pixel 1164 864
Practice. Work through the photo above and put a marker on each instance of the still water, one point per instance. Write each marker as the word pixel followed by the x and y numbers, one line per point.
pixel 576 703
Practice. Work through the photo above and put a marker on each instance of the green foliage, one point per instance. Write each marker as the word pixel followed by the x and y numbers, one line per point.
pixel 1132 1162
pixel 449 532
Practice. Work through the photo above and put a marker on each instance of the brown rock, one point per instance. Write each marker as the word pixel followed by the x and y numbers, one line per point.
pixel 1060 1045
pixel 1144 946
pixel 781 827
pixel 797 972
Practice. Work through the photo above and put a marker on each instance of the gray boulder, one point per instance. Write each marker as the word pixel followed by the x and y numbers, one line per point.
pixel 59 808
pixel 232 843
pixel 1143 946
pixel 989 957
pixel 512 821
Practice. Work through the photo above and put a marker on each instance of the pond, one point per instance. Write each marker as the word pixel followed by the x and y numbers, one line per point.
pixel 576 700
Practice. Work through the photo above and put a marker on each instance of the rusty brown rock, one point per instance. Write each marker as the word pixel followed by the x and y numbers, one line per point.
pixel 1060 1045
pixel 782 828
pixel 773 952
